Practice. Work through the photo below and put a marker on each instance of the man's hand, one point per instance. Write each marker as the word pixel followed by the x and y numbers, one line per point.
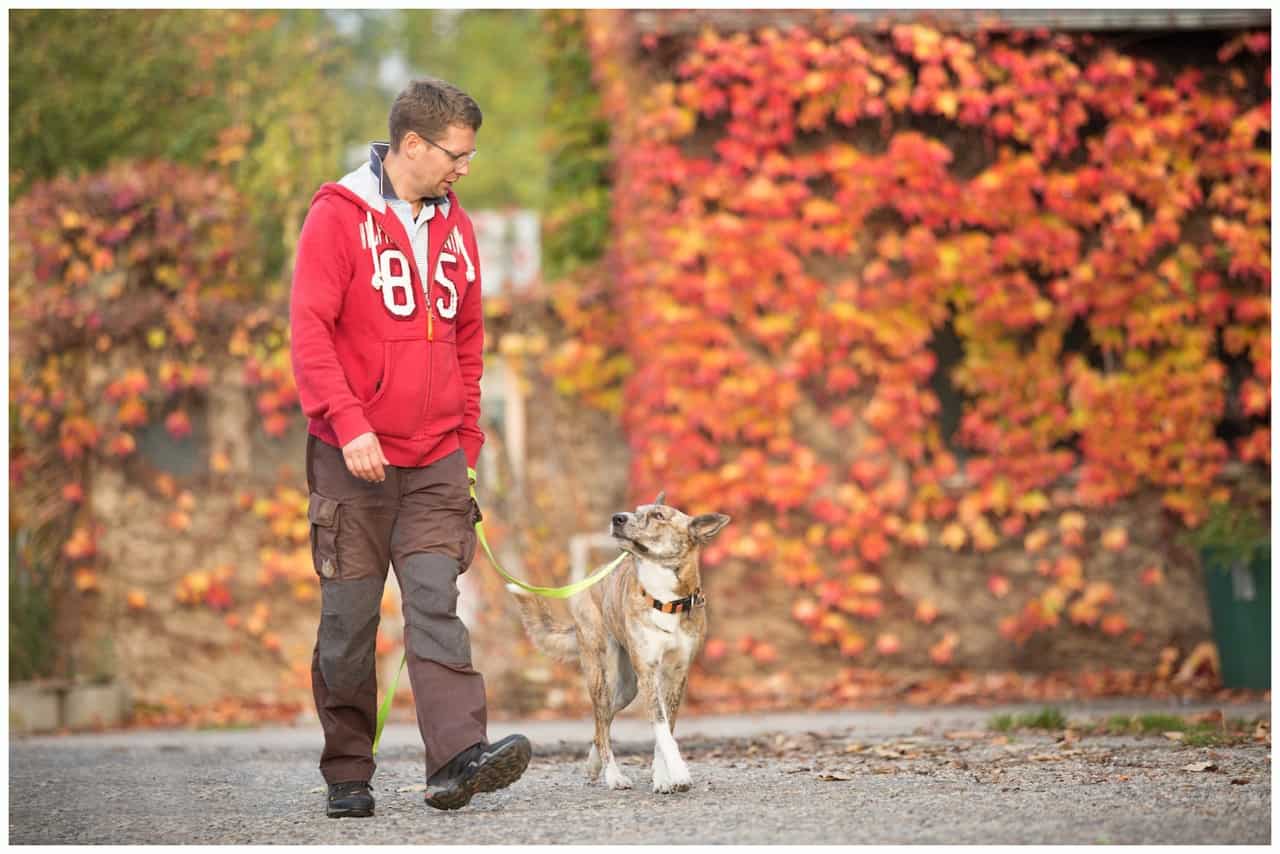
pixel 364 458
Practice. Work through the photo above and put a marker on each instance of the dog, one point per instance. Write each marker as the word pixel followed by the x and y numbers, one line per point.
pixel 637 633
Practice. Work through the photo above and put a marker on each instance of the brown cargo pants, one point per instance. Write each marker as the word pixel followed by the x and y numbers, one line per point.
pixel 422 522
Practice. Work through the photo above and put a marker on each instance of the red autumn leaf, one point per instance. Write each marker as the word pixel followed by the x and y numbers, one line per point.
pixel 873 547
pixel 998 585
pixel 178 424
pixel 1114 625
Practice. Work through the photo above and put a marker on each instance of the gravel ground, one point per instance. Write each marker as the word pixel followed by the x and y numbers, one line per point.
pixel 860 779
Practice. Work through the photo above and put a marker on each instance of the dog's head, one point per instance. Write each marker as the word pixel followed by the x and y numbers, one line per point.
pixel 664 535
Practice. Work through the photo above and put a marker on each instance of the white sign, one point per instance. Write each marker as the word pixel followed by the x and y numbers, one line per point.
pixel 510 250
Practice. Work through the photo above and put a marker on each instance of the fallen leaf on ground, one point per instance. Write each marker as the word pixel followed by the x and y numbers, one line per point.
pixel 416 787
pixel 1241 781
pixel 1175 736
pixel 828 778
pixel 1200 766
pixel 964 735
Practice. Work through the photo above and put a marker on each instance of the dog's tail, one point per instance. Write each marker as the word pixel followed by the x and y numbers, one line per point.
pixel 556 640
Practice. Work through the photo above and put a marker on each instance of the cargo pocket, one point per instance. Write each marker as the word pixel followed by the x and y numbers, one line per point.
pixel 470 539
pixel 323 513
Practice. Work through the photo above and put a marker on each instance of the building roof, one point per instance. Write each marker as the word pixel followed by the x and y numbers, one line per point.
pixel 961 19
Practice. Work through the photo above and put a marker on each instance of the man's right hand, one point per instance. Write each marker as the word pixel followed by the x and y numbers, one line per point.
pixel 364 458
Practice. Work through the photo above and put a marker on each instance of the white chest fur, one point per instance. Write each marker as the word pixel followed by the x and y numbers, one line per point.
pixel 658 581
pixel 661 633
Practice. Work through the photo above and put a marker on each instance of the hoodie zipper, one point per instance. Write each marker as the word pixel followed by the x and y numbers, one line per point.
pixel 426 282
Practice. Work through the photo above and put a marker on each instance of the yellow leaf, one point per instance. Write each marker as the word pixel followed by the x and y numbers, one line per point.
pixel 954 537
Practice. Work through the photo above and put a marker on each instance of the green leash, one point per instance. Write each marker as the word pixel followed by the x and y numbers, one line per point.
pixel 548 592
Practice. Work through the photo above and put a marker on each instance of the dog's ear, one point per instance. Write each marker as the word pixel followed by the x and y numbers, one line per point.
pixel 662 496
pixel 705 527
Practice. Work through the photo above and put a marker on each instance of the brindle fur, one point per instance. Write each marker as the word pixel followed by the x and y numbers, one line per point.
pixel 626 646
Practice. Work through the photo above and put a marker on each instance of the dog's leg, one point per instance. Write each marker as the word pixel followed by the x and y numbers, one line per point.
pixel 621 675
pixel 602 709
pixel 673 694
pixel 670 774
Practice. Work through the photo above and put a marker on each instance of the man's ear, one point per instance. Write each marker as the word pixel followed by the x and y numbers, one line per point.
pixel 705 527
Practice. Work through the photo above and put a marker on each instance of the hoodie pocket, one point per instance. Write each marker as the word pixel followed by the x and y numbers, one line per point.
pixel 396 408
pixel 447 397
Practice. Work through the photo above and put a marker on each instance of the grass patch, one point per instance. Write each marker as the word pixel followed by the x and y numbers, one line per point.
pixel 1118 724
pixel 1161 723
pixel 1235 730
pixel 1001 723
pixel 1047 718
pixel 227 725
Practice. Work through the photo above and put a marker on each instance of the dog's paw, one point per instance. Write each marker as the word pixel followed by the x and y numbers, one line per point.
pixel 667 786
pixel 593 764
pixel 615 779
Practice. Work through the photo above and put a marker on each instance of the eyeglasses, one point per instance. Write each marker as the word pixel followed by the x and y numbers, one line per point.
pixel 465 157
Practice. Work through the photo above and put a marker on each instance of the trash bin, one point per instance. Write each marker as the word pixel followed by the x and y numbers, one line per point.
pixel 1239 591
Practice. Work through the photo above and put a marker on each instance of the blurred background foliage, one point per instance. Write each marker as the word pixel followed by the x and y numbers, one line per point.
pixel 146 147
pixel 277 101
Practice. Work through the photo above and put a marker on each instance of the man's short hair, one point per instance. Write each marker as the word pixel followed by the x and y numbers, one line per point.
pixel 428 108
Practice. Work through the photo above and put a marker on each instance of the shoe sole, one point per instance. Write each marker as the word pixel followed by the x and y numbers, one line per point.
pixel 501 770
pixel 349 813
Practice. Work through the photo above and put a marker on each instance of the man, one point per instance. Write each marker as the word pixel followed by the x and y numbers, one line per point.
pixel 387 340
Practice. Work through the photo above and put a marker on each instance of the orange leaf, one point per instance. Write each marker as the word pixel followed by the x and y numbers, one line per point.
pixel 806 611
pixel 941 652
pixel 888 644
pixel 954 537
pixel 926 612
pixel 852 644
pixel 86 580
pixel 765 653
pixel 1115 539
pixel 1036 540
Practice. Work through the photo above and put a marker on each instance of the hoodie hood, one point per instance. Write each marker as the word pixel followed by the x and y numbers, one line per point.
pixel 367 183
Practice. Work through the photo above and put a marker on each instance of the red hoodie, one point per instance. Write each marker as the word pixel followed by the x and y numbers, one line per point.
pixel 393 353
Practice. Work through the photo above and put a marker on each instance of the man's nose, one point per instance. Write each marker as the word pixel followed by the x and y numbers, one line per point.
pixel 463 168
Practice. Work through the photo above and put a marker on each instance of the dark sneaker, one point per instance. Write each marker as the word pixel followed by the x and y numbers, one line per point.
pixel 479 768
pixel 350 800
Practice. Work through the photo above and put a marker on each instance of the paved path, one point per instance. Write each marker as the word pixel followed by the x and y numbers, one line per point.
pixel 853 777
